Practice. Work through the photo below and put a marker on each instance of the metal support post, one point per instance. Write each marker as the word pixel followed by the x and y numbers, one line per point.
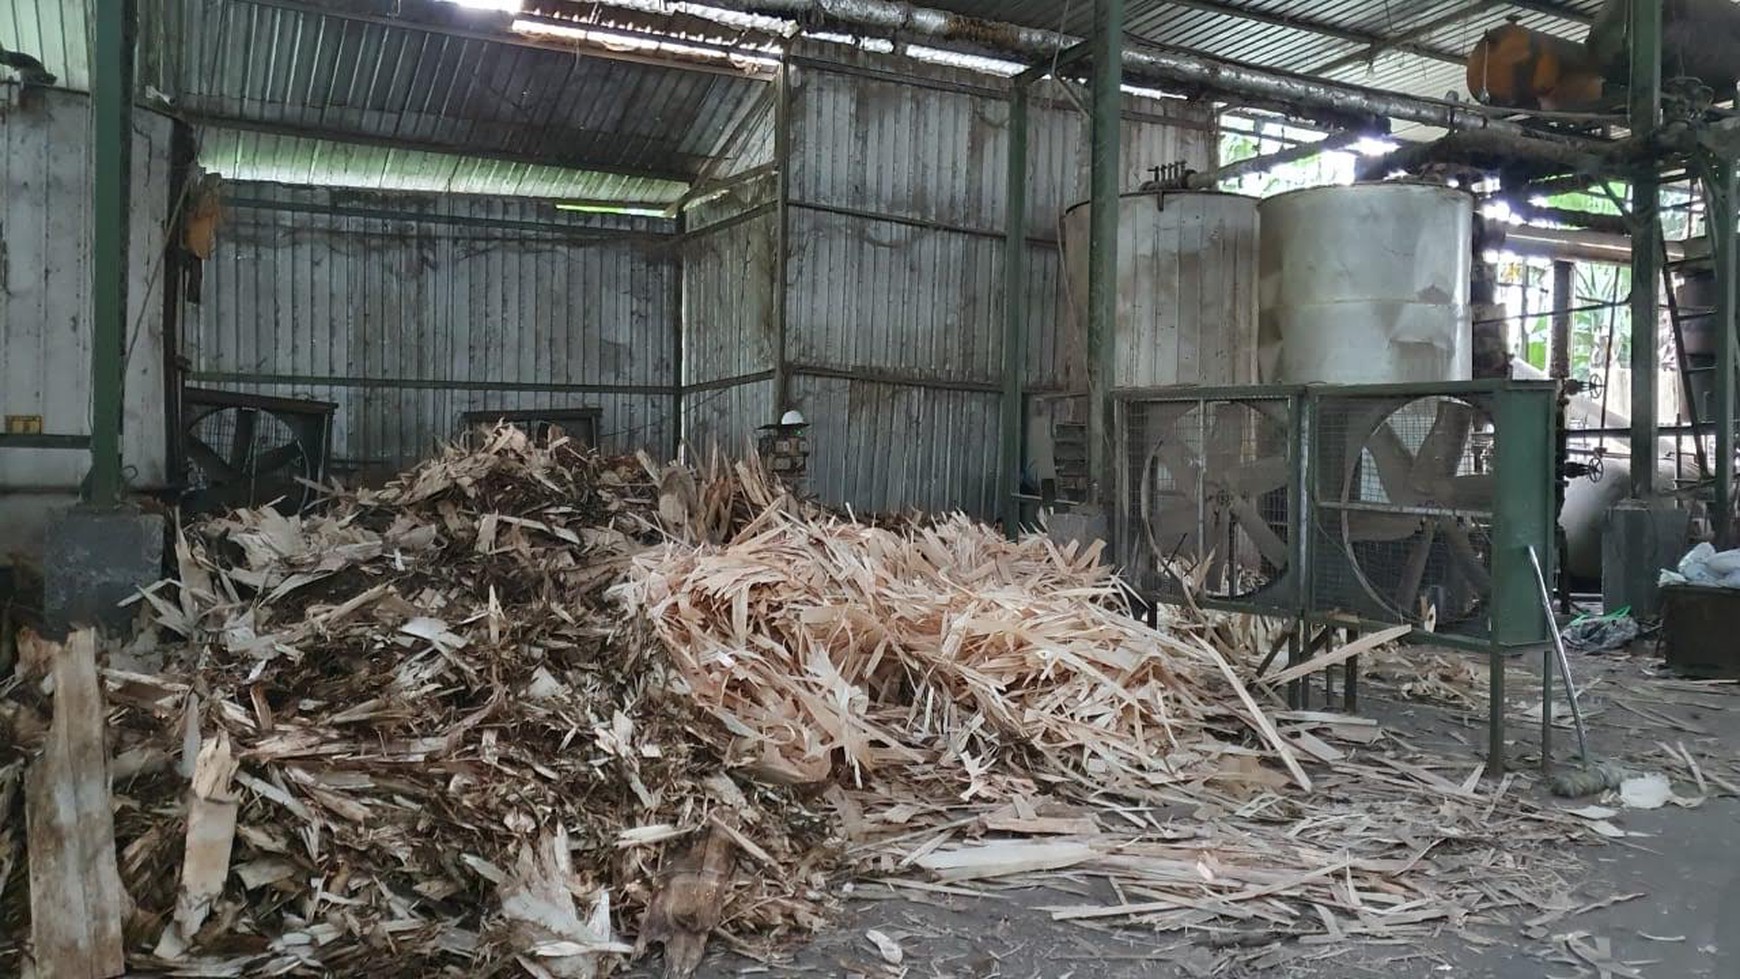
pixel 1559 347
pixel 1014 307
pixel 782 110
pixel 112 120
pixel 1646 249
pixel 1495 761
pixel 1723 197
pixel 1108 42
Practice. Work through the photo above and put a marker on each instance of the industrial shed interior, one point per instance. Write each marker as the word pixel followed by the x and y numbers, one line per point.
pixel 1084 487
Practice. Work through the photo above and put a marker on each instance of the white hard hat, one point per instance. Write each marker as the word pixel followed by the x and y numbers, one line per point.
pixel 792 418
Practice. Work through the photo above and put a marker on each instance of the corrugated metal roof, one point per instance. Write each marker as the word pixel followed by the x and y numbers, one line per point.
pixel 240 155
pixel 410 75
pixel 431 76
pixel 256 63
pixel 1329 37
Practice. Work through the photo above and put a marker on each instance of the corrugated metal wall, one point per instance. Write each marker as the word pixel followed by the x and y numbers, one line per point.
pixel 730 295
pixel 45 288
pixel 409 309
pixel 894 294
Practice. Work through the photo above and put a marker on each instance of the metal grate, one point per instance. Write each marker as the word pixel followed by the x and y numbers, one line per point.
pixel 1404 509
pixel 1423 502
pixel 1207 484
pixel 1396 503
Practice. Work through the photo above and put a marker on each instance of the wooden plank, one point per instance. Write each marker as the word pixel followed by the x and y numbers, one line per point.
pixel 1363 644
pixel 76 901
pixel 1004 858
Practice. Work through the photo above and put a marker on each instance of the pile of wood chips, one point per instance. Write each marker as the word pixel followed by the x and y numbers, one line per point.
pixel 524 702
pixel 432 742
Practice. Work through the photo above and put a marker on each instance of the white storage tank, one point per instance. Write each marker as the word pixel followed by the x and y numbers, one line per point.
pixel 1187 290
pixel 1367 284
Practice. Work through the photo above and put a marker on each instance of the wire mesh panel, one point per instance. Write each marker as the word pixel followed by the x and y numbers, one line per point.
pixel 1208 496
pixel 1419 515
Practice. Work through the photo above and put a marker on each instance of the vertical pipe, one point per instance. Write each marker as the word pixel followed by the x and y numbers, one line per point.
pixel 782 240
pixel 679 337
pixel 1723 232
pixel 1014 309
pixel 1108 48
pixel 1646 249
pixel 1559 352
pixel 112 122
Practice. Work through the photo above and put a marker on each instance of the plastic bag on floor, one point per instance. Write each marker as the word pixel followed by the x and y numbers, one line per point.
pixel 1600 634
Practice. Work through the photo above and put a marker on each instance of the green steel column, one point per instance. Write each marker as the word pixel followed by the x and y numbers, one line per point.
pixel 1108 46
pixel 112 126
pixel 1646 248
pixel 1725 190
pixel 1014 307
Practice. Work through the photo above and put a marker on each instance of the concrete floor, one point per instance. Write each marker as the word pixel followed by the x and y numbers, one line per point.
pixel 1686 867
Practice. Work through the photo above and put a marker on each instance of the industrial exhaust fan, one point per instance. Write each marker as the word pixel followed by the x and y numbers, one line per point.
pixel 249 451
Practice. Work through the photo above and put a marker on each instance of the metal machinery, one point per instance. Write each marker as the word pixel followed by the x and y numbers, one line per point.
pixel 1367 284
pixel 1345 506
pixel 245 450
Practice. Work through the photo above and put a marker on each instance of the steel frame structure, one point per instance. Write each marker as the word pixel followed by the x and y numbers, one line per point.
pixel 1525 421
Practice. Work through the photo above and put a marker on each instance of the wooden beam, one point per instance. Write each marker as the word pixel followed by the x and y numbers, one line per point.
pixel 76 901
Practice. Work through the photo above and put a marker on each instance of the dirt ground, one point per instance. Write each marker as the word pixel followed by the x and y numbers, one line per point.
pixel 1663 902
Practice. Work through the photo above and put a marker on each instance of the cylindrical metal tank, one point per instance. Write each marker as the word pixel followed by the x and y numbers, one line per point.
pixel 1367 284
pixel 1187 290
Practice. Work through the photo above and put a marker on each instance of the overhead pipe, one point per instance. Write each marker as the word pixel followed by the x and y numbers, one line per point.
pixel 1571 244
pixel 1212 179
pixel 1035 42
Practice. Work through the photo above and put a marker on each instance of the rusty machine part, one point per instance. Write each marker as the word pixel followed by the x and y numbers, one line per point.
pixel 1518 68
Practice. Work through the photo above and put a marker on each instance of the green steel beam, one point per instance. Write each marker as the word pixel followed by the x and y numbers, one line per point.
pixel 1014 308
pixel 1724 196
pixel 1108 41
pixel 1646 246
pixel 112 124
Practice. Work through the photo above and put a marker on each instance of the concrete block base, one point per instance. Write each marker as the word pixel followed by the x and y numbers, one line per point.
pixel 92 560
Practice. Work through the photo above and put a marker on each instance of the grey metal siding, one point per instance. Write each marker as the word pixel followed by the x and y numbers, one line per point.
pixel 730 318
pixel 900 446
pixel 894 285
pixel 408 309
pixel 45 288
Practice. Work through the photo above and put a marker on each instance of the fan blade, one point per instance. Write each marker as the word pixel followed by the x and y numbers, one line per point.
pixel 1393 461
pixel 1461 492
pixel 1414 571
pixel 1224 447
pixel 217 468
pixel 1176 459
pixel 277 459
pixel 1269 544
pixel 242 442
pixel 1463 553
pixel 1440 454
